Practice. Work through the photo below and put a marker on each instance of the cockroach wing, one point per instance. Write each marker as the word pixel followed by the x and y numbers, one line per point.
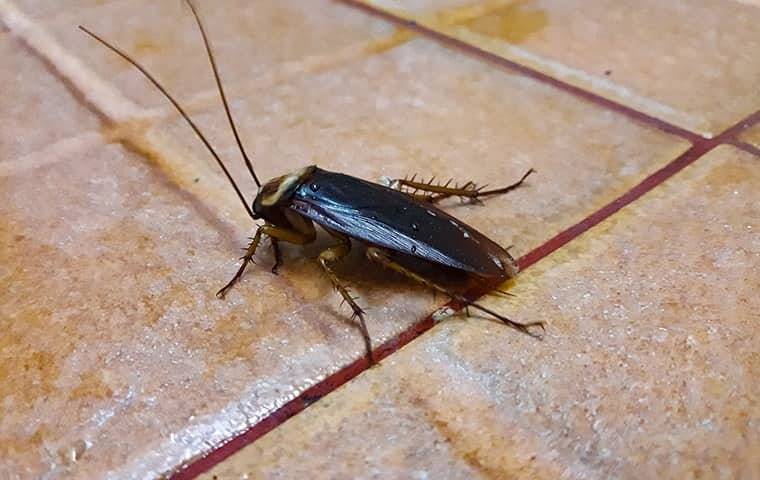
pixel 380 216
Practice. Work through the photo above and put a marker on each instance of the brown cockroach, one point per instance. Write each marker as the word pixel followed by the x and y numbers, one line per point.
pixel 397 221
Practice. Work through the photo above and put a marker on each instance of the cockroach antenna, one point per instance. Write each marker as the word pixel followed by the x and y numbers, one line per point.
pixel 207 44
pixel 181 111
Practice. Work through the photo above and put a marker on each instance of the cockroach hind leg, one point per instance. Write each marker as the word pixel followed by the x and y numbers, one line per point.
pixel 380 256
pixel 501 293
pixel 530 328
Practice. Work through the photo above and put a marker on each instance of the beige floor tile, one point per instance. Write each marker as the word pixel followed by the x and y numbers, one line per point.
pixel 647 370
pixel 47 9
pixel 691 63
pixel 34 114
pixel 254 41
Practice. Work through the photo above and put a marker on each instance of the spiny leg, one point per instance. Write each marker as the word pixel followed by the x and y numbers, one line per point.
pixel 440 191
pixel 275 233
pixel 333 254
pixel 378 255
pixel 247 258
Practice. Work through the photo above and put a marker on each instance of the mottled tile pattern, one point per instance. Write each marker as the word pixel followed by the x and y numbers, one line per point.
pixel 647 370
pixel 116 229
pixel 689 62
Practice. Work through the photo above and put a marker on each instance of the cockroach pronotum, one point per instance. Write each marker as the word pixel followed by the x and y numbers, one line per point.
pixel 398 221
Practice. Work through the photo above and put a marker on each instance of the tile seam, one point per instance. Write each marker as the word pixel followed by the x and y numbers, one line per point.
pixel 747 147
pixel 497 60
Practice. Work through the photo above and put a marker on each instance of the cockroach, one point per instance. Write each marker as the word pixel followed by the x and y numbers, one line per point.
pixel 396 220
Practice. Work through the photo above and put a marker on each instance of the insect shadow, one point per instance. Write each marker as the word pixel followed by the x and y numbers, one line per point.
pixel 398 221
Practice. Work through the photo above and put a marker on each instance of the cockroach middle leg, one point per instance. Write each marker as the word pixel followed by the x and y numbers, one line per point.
pixel 277 255
pixel 440 191
pixel 334 254
pixel 378 255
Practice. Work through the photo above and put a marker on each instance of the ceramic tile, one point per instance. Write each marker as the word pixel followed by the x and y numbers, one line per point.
pixel 647 369
pixel 36 109
pixel 45 9
pixel 252 42
pixel 120 361
pixel 691 63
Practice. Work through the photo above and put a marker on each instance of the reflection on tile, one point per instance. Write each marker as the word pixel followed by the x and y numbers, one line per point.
pixel 250 41
pixel 647 371
pixel 36 109
pixel 704 76
pixel 45 9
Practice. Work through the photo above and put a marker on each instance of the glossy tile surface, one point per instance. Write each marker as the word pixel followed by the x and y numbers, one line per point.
pixel 647 370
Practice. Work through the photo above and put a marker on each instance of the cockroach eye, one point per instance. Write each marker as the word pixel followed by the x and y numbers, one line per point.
pixel 414 248
pixel 314 187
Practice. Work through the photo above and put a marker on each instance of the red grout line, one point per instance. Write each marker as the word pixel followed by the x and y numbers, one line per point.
pixel 565 236
pixel 529 72
pixel 698 149
pixel 747 147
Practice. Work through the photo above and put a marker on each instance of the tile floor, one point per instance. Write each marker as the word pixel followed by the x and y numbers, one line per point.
pixel 638 237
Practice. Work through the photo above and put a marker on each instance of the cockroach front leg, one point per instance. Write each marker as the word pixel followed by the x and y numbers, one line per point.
pixel 276 234
pixel 440 191
pixel 378 255
pixel 333 254
pixel 247 258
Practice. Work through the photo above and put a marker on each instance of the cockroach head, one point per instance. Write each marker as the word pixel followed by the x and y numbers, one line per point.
pixel 276 193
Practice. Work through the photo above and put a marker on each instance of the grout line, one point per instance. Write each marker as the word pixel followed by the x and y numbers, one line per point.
pixel 528 71
pixel 649 183
pixel 747 147
pixel 352 370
